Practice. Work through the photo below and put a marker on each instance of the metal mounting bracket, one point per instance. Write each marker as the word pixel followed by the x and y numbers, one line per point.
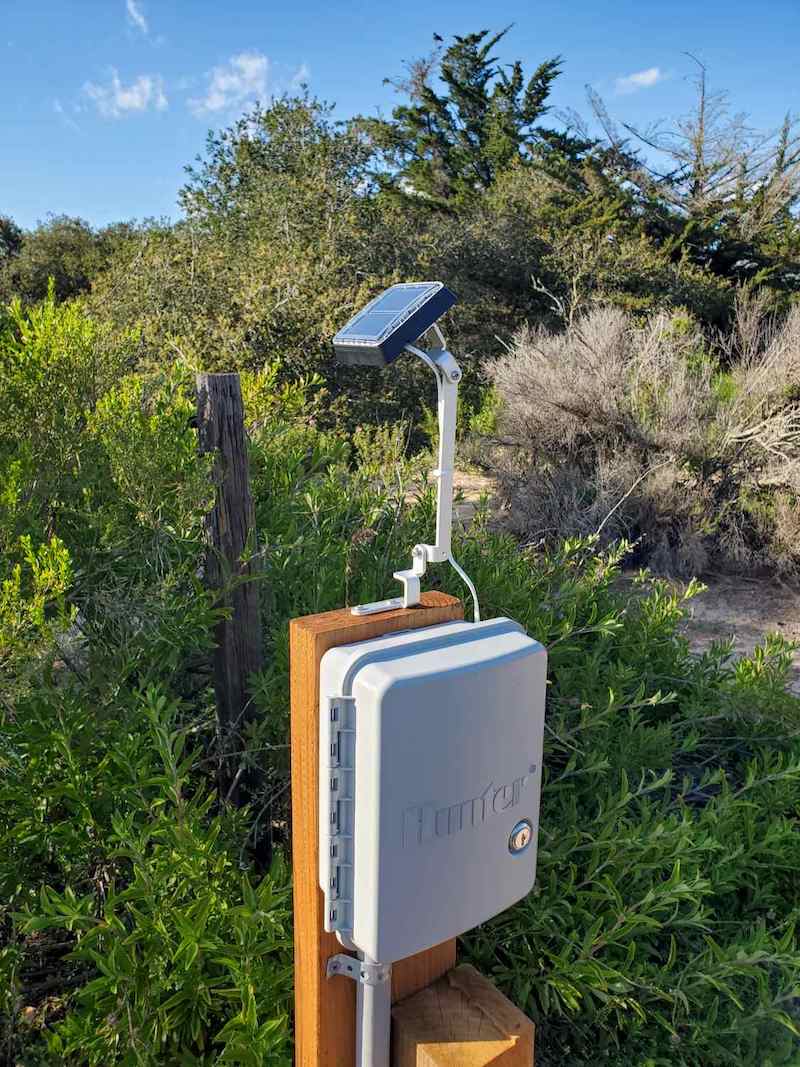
pixel 410 583
pixel 359 970
pixel 448 375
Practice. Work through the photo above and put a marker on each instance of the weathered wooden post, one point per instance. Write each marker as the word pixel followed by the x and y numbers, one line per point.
pixel 484 1028
pixel 231 533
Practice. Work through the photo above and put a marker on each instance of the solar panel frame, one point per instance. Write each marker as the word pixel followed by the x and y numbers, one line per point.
pixel 375 346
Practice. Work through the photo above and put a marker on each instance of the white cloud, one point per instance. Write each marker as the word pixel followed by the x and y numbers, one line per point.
pixel 115 100
pixel 641 79
pixel 58 107
pixel 301 77
pixel 240 81
pixel 136 16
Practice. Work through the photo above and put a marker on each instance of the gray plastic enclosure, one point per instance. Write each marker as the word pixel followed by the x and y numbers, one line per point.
pixel 430 777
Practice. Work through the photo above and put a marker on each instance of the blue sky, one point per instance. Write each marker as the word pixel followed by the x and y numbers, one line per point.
pixel 102 102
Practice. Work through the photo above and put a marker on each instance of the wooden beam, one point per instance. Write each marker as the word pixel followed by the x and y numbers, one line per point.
pixel 325 1010
pixel 461 1020
pixel 231 536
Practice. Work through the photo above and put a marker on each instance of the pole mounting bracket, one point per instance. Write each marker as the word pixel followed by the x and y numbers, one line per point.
pixel 359 970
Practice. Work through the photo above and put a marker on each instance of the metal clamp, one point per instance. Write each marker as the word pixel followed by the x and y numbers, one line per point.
pixel 359 970
pixel 410 583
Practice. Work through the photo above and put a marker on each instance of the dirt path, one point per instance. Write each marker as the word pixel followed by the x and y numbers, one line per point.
pixel 744 608
pixel 469 489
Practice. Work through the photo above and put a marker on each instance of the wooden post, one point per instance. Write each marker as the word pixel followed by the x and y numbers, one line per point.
pixel 231 534
pixel 325 1010
pixel 460 1021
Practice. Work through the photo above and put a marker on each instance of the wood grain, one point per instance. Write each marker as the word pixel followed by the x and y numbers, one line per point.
pixel 231 538
pixel 461 1020
pixel 325 1010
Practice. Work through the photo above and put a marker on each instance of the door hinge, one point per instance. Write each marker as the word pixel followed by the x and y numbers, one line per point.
pixel 337 835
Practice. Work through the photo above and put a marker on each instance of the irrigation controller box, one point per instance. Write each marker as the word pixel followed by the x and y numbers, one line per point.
pixel 430 772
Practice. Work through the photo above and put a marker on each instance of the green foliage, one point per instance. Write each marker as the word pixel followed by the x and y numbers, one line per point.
pixel 586 244
pixel 10 238
pixel 655 932
pixel 33 607
pixel 143 427
pixel 661 926
pixel 280 242
pixel 106 720
pixel 721 194
pixel 139 921
pixel 55 363
pixel 293 221
pixel 186 943
pixel 483 420
pixel 190 956
pixel 450 147
pixel 473 421
pixel 64 252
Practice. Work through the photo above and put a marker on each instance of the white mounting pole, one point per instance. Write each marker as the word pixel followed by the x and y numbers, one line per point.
pixel 448 375
pixel 373 1006
pixel 374 1022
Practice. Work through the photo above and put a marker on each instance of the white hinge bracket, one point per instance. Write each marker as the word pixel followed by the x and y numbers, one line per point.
pixel 337 837
pixel 358 970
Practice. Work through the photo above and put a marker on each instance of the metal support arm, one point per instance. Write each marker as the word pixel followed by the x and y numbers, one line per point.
pixel 448 375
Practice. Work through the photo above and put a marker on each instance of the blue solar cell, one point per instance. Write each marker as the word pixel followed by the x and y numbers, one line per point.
pixel 369 325
pixel 399 298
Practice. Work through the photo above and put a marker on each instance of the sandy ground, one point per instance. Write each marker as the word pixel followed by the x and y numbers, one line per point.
pixel 743 608
pixel 469 489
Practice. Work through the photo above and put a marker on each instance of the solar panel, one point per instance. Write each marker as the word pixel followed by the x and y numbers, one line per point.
pixel 400 296
pixel 378 334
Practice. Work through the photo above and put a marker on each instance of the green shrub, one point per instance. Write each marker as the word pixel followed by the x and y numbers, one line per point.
pixel 33 607
pixel 174 951
pixel 55 363
pixel 138 924
pixel 142 427
pixel 63 253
